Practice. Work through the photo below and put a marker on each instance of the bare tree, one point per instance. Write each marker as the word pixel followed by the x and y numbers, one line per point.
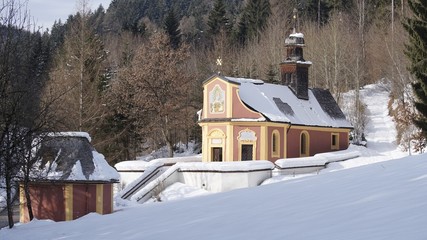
pixel 330 48
pixel 22 67
pixel 11 38
pixel 154 90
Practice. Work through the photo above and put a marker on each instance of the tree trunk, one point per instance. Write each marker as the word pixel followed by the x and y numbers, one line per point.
pixel 28 199
pixel 9 200
pixel 170 148
pixel 167 136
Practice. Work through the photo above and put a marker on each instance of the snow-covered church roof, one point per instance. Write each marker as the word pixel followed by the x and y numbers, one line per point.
pixel 278 103
pixel 69 156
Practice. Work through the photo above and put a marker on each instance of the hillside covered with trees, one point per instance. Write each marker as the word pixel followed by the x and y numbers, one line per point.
pixel 130 73
pixel 119 79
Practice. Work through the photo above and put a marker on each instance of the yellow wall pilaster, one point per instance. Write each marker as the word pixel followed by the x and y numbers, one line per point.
pixel 100 198
pixel 205 143
pixel 205 103
pixel 263 148
pixel 112 197
pixel 229 143
pixel 229 102
pixel 285 142
pixel 68 195
pixel 21 203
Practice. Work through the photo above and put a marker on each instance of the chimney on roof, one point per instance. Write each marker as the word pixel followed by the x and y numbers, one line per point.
pixel 294 69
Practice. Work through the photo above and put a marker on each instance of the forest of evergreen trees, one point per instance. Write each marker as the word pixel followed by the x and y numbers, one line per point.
pixel 130 74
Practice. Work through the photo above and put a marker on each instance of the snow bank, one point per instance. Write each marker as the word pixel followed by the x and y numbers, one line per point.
pixel 377 201
pixel 238 166
pixel 133 165
pixel 179 190
pixel 321 159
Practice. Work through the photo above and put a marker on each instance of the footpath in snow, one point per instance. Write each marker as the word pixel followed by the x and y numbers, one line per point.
pixel 380 131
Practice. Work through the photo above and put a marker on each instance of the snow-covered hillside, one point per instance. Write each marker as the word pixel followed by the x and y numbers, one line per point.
pixel 380 131
pixel 371 197
pixel 378 201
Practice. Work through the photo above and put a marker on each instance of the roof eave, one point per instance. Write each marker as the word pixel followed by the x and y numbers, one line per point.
pixel 216 75
pixel 60 181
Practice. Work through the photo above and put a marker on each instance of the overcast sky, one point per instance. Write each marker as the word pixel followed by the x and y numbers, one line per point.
pixel 45 12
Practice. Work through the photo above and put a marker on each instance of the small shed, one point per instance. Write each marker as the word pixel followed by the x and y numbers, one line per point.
pixel 70 180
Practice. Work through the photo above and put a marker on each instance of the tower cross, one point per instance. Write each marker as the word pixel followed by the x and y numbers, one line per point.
pixel 219 64
pixel 295 18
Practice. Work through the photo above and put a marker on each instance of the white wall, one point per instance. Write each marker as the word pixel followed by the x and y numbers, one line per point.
pixel 128 177
pixel 223 181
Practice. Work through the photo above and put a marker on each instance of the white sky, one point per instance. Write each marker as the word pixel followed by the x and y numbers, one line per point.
pixel 45 12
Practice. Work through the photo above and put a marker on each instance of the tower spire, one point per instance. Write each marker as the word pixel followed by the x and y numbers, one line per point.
pixel 294 69
pixel 295 19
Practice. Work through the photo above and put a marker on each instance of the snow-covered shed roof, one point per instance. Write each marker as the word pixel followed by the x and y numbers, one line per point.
pixel 69 156
pixel 278 103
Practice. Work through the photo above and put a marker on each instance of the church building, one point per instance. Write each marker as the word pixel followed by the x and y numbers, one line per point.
pixel 249 119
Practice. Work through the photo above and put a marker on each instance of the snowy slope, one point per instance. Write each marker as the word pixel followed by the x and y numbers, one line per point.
pixel 379 199
pixel 380 131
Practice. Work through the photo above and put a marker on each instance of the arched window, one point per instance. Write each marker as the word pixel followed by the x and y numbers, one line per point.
pixel 275 144
pixel 304 144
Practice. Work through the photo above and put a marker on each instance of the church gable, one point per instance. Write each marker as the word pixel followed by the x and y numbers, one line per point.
pixel 222 101
pixel 215 99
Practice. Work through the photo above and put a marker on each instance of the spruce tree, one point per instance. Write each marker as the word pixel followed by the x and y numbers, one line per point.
pixel 217 19
pixel 254 19
pixel 171 26
pixel 416 51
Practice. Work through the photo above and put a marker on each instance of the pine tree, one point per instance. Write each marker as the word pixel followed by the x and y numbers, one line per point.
pixel 171 26
pixel 254 19
pixel 217 19
pixel 272 74
pixel 416 50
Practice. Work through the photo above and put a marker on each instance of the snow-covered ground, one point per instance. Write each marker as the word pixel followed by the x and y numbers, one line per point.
pixel 371 197
pixel 380 131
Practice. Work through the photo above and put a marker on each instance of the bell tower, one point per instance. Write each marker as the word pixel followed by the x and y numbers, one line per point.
pixel 294 69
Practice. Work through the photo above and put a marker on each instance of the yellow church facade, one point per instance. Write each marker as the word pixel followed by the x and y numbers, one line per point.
pixel 234 131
